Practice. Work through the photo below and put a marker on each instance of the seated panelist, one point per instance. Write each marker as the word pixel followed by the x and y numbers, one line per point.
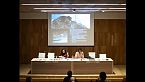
pixel 64 53
pixel 79 54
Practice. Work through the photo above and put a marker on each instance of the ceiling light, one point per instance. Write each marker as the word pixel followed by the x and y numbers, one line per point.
pixel 78 8
pixel 73 4
pixel 113 10
pixel 55 11
pixel 50 11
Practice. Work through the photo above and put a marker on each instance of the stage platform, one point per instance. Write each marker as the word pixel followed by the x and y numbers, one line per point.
pixel 25 70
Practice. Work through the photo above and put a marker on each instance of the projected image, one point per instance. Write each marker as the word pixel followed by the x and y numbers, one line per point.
pixel 79 35
pixel 70 29
pixel 60 37
pixel 63 21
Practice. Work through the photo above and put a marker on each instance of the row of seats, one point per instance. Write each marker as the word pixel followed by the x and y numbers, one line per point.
pixel 61 80
pixel 52 55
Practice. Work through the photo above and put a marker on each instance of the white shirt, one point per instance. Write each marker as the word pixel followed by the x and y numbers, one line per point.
pixel 79 55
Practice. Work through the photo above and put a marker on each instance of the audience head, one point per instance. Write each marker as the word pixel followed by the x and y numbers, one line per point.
pixel 69 73
pixel 102 76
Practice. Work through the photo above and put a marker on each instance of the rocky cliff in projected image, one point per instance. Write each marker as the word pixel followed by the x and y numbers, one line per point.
pixel 68 30
pixel 65 22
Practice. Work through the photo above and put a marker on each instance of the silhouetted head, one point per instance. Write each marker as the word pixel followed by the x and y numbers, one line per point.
pixel 102 76
pixel 69 73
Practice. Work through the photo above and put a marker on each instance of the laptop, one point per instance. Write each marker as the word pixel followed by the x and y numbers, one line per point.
pixel 51 56
pixel 102 56
pixel 92 54
pixel 41 55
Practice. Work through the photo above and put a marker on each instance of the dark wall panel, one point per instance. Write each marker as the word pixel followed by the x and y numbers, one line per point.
pixel 110 38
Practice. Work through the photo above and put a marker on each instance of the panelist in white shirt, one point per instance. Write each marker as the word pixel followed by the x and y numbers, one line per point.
pixel 79 54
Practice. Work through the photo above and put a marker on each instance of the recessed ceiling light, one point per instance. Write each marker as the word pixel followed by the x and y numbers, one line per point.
pixel 78 8
pixel 73 4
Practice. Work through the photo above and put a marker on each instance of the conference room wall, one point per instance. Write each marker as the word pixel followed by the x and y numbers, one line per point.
pixel 97 15
pixel 109 36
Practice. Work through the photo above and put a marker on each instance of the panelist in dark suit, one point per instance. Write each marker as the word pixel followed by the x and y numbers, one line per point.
pixel 64 53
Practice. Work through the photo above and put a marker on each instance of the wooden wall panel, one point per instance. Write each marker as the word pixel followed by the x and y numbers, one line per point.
pixel 109 38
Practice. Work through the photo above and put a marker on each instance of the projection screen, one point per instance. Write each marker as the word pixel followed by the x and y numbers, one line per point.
pixel 70 29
